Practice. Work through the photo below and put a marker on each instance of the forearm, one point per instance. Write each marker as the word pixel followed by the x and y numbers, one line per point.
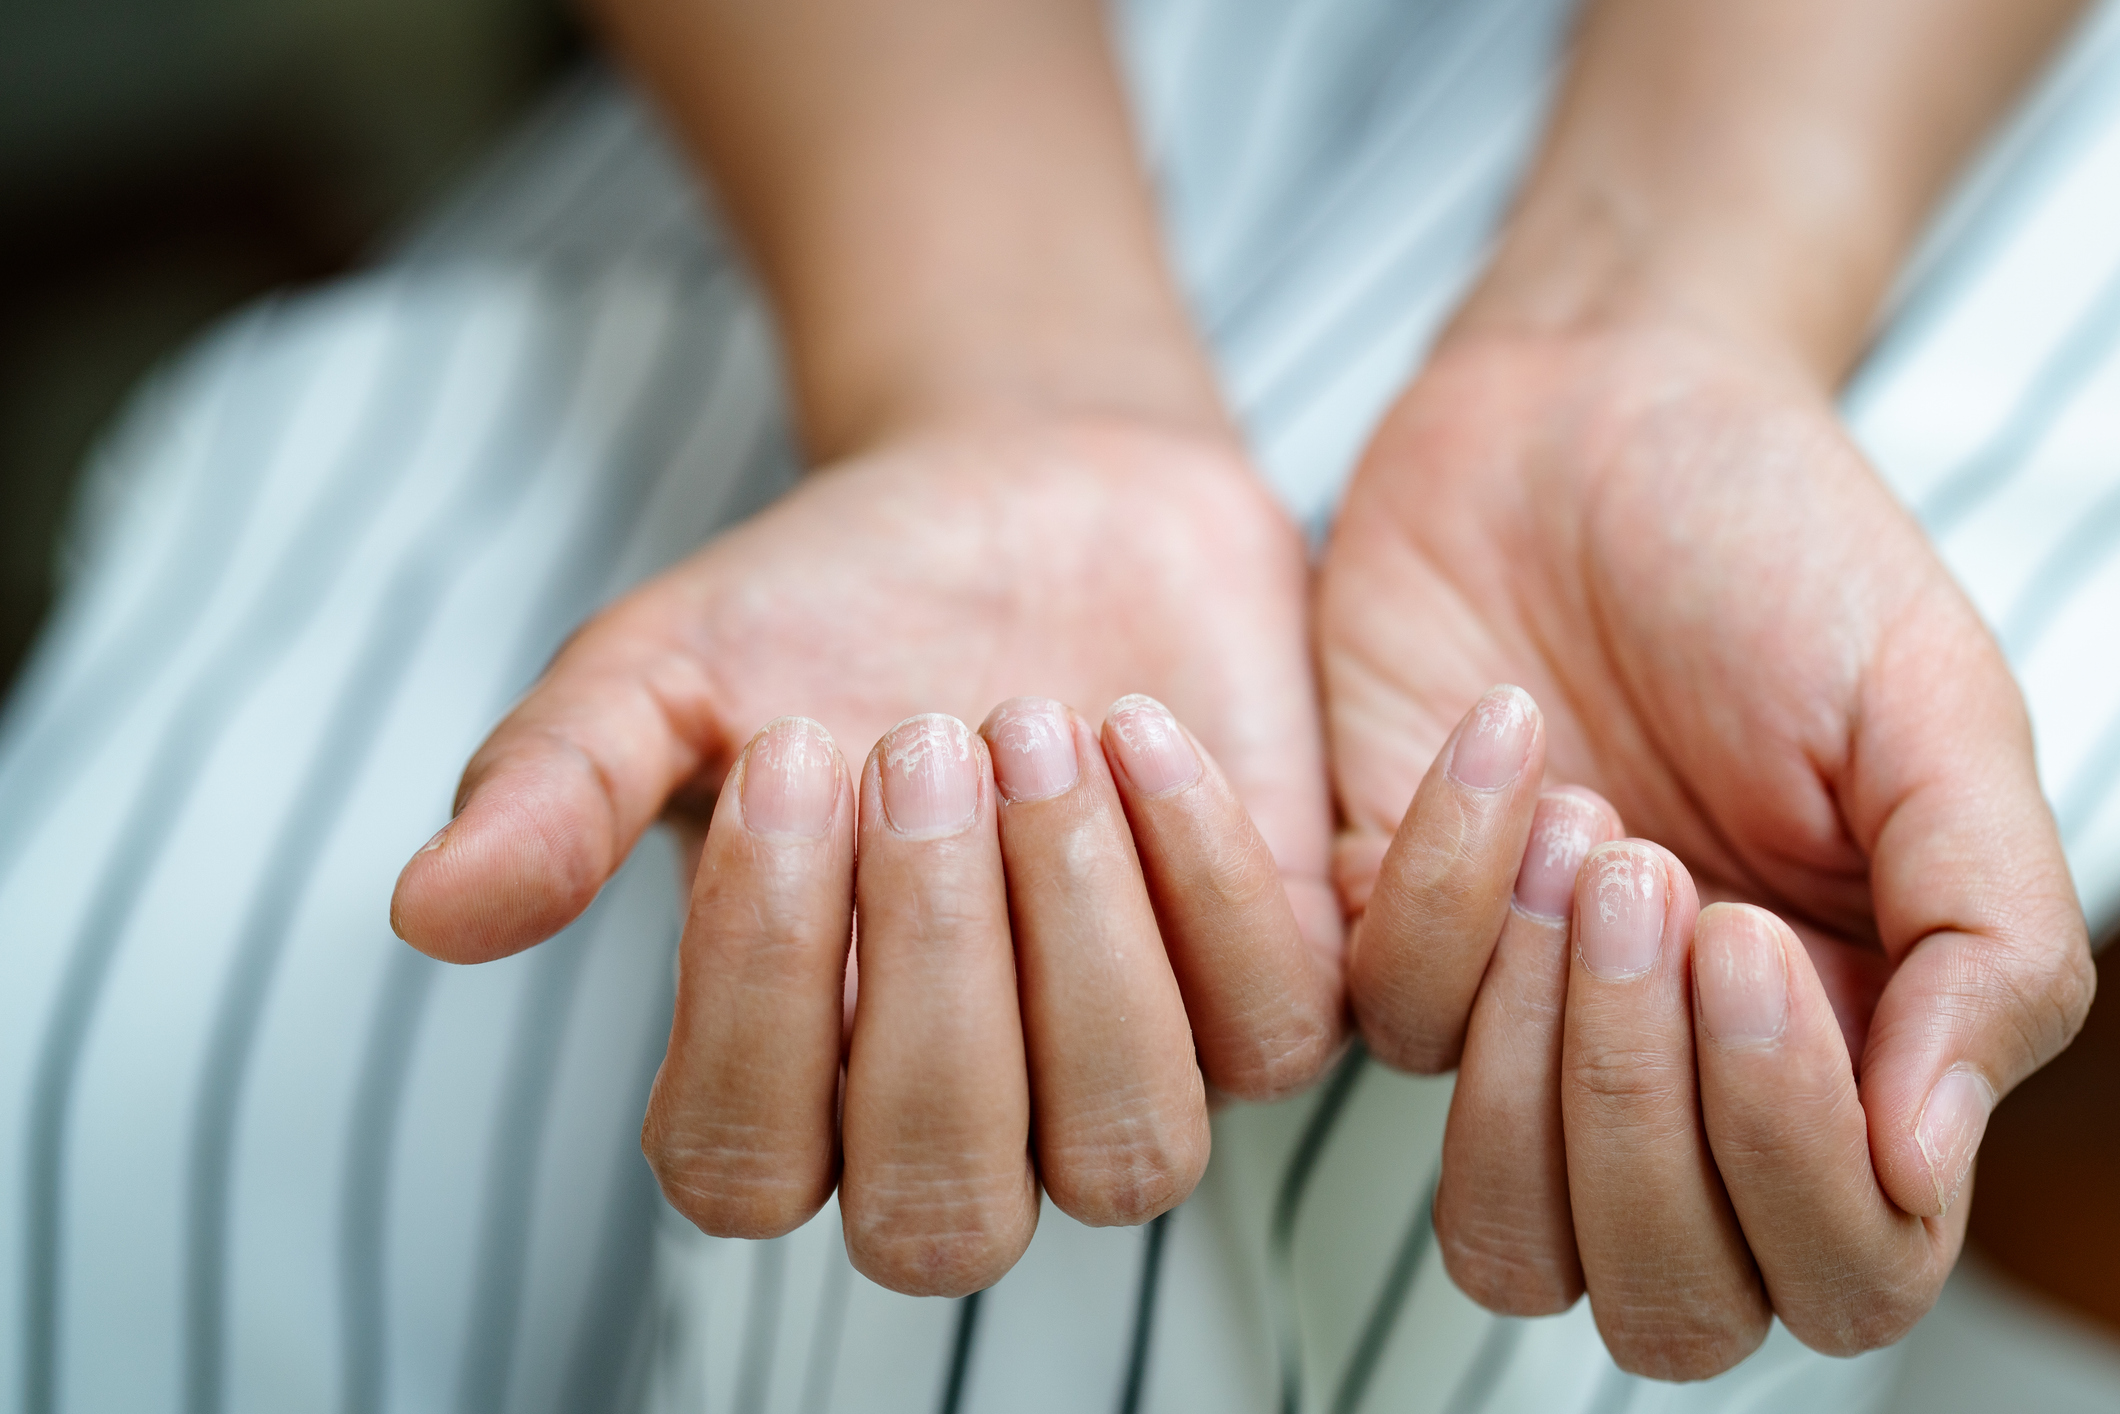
pixel 942 198
pixel 1755 168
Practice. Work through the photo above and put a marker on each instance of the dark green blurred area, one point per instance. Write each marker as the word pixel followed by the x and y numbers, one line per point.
pixel 162 162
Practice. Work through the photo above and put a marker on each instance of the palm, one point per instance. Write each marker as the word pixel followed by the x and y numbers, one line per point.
pixel 1684 561
pixel 1082 564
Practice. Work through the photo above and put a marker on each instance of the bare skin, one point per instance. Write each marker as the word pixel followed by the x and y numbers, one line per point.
pixel 1619 484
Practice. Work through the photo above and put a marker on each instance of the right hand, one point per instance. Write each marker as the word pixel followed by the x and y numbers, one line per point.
pixel 1743 642
pixel 1085 561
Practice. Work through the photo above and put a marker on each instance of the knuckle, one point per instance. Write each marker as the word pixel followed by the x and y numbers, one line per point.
pixel 1626 1079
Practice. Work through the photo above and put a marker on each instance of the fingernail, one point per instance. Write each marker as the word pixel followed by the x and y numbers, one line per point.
pixel 435 842
pixel 1950 1127
pixel 1155 753
pixel 1561 832
pixel 930 776
pixel 1033 745
pixel 1619 934
pixel 1490 751
pixel 790 779
pixel 1741 974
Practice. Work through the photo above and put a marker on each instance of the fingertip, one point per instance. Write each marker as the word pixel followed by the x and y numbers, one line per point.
pixel 494 881
pixel 1147 748
pixel 789 779
pixel 1499 741
pixel 1566 825
pixel 927 778
pixel 1741 975
pixel 1035 744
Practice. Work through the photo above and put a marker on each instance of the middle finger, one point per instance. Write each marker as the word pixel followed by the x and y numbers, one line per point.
pixel 1120 1111
pixel 1672 1283
pixel 938 1196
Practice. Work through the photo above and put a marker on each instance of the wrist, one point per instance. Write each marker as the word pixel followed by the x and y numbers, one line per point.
pixel 869 374
pixel 1754 170
pixel 1590 255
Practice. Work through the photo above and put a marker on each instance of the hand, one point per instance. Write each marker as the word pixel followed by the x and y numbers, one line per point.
pixel 1083 561
pixel 1750 650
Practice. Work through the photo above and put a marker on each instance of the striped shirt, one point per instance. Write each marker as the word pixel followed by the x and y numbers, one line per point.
pixel 262 1156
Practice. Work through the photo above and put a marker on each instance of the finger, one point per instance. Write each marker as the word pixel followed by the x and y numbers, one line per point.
pixel 1671 1283
pixel 558 795
pixel 742 1126
pixel 1973 901
pixel 1264 1006
pixel 1846 1269
pixel 1120 1113
pixel 937 1198
pixel 1502 1219
pixel 1443 889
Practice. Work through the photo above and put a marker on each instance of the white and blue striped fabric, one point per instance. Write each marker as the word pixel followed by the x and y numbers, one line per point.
pixel 261 1156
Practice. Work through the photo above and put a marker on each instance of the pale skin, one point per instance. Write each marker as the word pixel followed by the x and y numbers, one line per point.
pixel 1619 484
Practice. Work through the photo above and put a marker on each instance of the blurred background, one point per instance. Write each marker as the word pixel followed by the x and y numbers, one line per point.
pixel 161 163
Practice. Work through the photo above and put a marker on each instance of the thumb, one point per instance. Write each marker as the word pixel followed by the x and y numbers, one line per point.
pixel 558 795
pixel 1974 905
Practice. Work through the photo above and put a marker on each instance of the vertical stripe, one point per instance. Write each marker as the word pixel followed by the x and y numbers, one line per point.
pixel 613 1337
pixel 2092 540
pixel 577 576
pixel 524 424
pixel 394 1025
pixel 1288 1207
pixel 761 1326
pixel 242 442
pixel 1971 233
pixel 2089 786
pixel 298 583
pixel 1136 1383
pixel 830 1331
pixel 1462 206
pixel 392 430
pixel 695 360
pixel 1383 1318
pixel 2073 362
pixel 1364 177
pixel 512 1162
pixel 1475 1390
pixel 960 1366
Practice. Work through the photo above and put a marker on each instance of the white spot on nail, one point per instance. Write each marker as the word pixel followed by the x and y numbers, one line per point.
pixel 1623 874
pixel 1500 712
pixel 912 743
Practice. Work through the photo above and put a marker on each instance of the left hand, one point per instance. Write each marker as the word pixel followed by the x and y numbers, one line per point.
pixel 1745 644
